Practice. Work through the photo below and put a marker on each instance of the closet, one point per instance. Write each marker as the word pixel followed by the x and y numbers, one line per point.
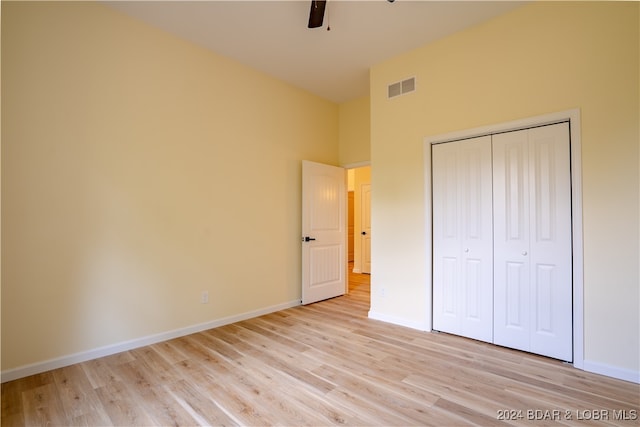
pixel 502 239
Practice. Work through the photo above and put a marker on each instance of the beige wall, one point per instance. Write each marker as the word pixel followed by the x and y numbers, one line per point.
pixel 354 132
pixel 538 59
pixel 137 171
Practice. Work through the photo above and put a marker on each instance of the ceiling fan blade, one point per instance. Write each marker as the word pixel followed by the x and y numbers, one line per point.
pixel 316 15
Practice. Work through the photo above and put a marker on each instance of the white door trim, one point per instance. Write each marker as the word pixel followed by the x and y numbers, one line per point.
pixel 573 117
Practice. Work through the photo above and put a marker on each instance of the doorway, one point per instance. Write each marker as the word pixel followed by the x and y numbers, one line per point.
pixel 332 229
pixel 359 234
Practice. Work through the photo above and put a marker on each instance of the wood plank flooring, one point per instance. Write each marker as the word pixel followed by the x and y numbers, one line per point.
pixel 316 365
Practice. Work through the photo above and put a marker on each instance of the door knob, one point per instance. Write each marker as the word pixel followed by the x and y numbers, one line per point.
pixel 364 233
pixel 308 239
pixel 524 252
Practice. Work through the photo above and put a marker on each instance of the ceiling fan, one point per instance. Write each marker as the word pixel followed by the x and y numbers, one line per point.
pixel 316 14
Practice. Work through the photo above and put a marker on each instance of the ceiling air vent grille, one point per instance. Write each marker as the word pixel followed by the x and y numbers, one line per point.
pixel 401 88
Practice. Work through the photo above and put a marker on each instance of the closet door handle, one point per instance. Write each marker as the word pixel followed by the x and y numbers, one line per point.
pixel 524 253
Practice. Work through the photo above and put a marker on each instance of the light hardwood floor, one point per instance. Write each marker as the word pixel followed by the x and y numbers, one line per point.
pixel 322 364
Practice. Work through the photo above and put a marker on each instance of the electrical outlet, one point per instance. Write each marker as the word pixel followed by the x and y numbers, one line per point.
pixel 204 298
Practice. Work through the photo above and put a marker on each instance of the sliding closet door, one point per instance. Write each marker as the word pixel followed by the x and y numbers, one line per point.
pixel 462 233
pixel 532 241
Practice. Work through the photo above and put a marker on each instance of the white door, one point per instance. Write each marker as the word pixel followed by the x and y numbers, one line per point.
pixel 365 225
pixel 463 238
pixel 324 234
pixel 532 241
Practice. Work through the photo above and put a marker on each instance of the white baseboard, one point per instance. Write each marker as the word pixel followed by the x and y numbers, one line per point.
pixel 398 321
pixel 60 362
pixel 612 371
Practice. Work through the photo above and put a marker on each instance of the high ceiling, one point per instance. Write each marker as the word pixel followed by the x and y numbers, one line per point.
pixel 272 36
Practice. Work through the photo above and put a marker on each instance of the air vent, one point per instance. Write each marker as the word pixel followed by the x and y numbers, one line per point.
pixel 401 88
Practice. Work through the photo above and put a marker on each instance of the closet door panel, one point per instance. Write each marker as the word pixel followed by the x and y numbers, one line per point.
pixel 462 230
pixel 551 275
pixel 446 239
pixel 532 232
pixel 511 239
pixel 477 239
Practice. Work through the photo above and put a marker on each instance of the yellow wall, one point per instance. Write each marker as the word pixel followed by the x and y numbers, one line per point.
pixel 137 171
pixel 538 59
pixel 354 132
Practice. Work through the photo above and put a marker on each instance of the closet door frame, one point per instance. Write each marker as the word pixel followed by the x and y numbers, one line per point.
pixel 573 118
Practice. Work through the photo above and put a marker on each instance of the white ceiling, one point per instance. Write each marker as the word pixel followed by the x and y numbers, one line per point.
pixel 272 36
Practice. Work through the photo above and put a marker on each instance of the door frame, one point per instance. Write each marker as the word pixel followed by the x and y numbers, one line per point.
pixel 571 116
